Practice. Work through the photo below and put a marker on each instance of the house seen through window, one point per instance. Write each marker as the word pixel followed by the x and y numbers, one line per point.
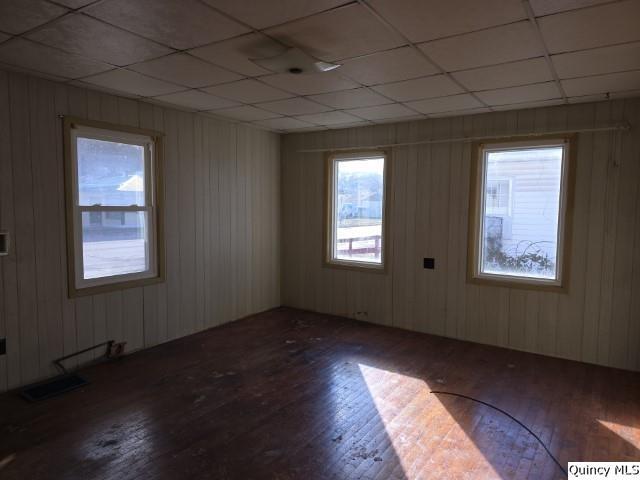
pixel 114 206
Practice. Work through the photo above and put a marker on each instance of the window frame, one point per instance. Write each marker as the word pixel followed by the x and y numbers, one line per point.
pixel 152 141
pixel 331 160
pixel 565 221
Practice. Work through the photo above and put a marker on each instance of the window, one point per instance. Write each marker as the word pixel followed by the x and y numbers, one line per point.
pixel 519 215
pixel 498 196
pixel 113 220
pixel 356 210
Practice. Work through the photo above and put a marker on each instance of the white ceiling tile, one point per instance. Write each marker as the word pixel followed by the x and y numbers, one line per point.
pixel 506 75
pixel 186 70
pixel 460 113
pixel 178 23
pixel 248 91
pixel 235 53
pixel 132 82
pixel 380 112
pixel 89 37
pixel 28 71
pixel 546 7
pixel 390 66
pixel 329 118
pixel 18 16
pixel 285 123
pixel 41 58
pixel 361 123
pixel 588 98
pixel 604 97
pixel 446 104
pixel 614 82
pixel 525 105
pixel 197 100
pixel 591 27
pixel 294 106
pixel 625 94
pixel 502 44
pixel 274 12
pixel 246 113
pixel 526 93
pixel 422 20
pixel 598 61
pixel 173 106
pixel 309 84
pixel 426 87
pixel 409 118
pixel 102 88
pixel 74 3
pixel 355 98
pixel 342 33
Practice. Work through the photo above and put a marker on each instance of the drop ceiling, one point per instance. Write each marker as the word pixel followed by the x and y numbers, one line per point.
pixel 401 59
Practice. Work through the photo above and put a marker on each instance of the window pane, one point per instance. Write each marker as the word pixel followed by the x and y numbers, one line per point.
pixel 359 196
pixel 114 243
pixel 521 212
pixel 110 173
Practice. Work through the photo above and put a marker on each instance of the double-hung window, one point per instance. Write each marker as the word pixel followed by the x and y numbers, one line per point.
pixel 112 193
pixel 521 197
pixel 356 210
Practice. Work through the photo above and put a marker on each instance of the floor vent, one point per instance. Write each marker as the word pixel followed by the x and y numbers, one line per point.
pixel 53 387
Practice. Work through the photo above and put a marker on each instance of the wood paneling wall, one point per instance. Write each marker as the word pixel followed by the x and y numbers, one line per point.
pixel 598 321
pixel 222 217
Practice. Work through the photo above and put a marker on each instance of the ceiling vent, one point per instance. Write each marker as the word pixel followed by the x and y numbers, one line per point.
pixel 294 61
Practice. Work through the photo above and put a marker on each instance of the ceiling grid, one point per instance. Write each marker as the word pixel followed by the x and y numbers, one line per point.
pixel 401 59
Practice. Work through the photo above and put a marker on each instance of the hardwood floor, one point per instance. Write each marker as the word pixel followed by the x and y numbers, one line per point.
pixel 289 394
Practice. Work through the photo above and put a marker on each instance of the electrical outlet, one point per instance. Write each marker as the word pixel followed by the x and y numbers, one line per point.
pixel 3 346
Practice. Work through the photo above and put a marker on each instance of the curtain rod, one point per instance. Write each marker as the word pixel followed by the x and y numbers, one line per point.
pixel 618 127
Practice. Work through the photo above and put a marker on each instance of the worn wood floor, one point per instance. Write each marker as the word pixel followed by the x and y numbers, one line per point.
pixel 294 395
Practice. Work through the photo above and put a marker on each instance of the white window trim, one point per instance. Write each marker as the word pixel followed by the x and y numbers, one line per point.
pixel 477 214
pixel 330 202
pixel 74 129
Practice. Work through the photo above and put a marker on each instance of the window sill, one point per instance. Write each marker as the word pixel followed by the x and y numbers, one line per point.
pixel 355 266
pixel 113 287
pixel 518 284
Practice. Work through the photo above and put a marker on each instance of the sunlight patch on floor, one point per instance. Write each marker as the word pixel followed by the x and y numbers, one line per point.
pixel 423 433
pixel 626 432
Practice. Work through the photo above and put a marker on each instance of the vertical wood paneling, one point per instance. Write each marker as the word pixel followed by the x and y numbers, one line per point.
pixel 633 338
pixel 597 321
pixel 151 320
pixel 171 216
pixel 221 221
pixel 186 225
pixel 24 227
pixel 11 363
pixel 571 308
pixel 44 167
pixel 628 166
pixel 200 202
